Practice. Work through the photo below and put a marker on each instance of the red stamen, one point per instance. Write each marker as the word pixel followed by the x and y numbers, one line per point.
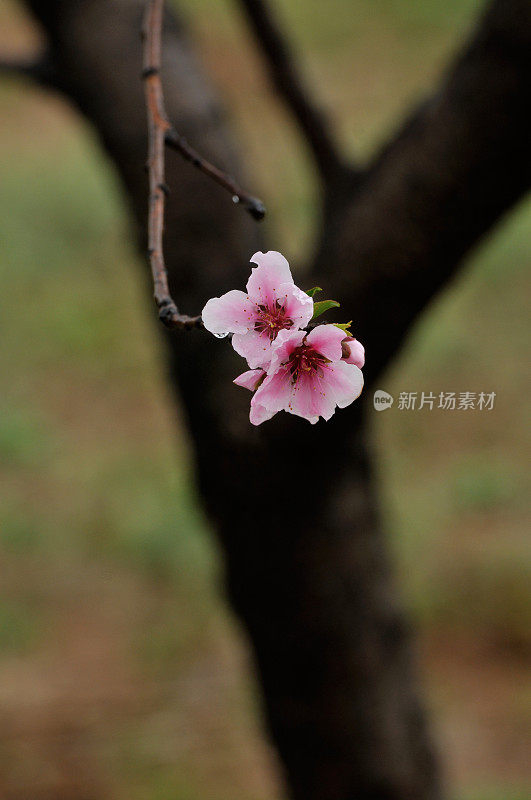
pixel 272 319
pixel 305 359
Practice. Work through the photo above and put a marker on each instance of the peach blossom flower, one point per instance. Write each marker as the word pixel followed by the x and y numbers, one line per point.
pixel 272 304
pixel 307 376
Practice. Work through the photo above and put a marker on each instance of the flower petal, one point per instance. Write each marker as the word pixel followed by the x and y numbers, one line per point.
pixel 324 403
pixel 283 346
pixel 297 304
pixel 272 271
pixel 254 346
pixel 356 352
pixel 326 339
pixel 344 381
pixel 233 312
pixel 250 379
pixel 275 392
pixel 303 399
pixel 259 414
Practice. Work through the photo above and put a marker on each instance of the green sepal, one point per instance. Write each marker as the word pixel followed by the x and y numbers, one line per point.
pixel 345 326
pixel 312 292
pixel 322 306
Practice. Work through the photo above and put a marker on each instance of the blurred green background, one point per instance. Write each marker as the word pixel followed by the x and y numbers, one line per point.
pixel 122 674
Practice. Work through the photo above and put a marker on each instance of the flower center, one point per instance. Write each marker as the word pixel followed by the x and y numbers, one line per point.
pixel 306 361
pixel 272 319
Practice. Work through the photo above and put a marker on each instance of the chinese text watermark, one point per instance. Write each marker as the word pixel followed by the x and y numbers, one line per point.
pixel 447 401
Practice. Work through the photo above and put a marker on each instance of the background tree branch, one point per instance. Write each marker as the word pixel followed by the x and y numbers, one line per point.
pixel 40 70
pixel 458 164
pixel 281 65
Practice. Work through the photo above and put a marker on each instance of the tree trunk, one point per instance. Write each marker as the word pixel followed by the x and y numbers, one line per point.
pixel 295 507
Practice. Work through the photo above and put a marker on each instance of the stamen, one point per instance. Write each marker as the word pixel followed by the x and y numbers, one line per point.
pixel 305 359
pixel 272 320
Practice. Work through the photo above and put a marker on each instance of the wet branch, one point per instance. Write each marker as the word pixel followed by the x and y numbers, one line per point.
pixel 253 205
pixel 160 135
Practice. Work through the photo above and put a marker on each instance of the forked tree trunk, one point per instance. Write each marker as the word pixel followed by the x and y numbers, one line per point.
pixel 295 507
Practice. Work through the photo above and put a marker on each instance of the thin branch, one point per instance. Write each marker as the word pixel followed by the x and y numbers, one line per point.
pixel 253 205
pixel 160 134
pixel 289 85
pixel 157 126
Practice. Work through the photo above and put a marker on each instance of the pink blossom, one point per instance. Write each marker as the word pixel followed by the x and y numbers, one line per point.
pixel 306 376
pixel 272 304
pixel 353 351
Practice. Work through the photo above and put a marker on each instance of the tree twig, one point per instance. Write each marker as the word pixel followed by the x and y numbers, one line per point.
pixel 289 85
pixel 253 205
pixel 160 134
pixel 157 126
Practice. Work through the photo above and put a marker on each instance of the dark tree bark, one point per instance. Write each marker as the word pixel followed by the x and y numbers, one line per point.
pixel 295 508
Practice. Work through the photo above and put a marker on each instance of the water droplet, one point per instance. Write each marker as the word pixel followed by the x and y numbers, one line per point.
pixel 221 335
pixel 235 198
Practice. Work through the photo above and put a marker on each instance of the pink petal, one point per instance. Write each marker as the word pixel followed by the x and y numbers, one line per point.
pixel 250 379
pixel 254 346
pixel 259 414
pixel 356 350
pixel 303 399
pixel 344 382
pixel 297 304
pixel 233 312
pixel 326 339
pixel 283 346
pixel 272 271
pixel 324 404
pixel 275 392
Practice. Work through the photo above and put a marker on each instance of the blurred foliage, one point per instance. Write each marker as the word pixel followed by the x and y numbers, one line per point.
pixel 110 577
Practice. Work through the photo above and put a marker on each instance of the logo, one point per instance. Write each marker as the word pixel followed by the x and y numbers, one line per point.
pixel 382 400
